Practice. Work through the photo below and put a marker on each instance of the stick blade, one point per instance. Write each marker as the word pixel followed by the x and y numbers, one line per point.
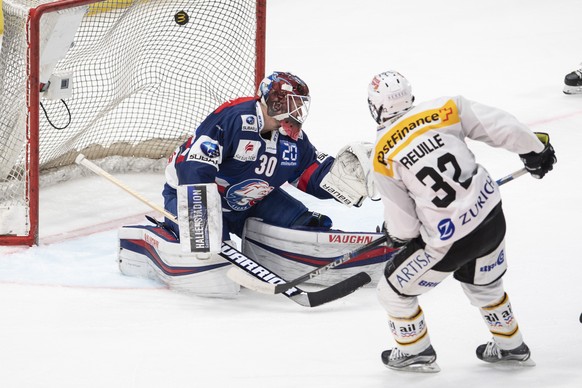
pixel 307 299
pixel 338 290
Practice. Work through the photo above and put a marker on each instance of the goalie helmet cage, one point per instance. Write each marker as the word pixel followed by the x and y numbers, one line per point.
pixel 144 75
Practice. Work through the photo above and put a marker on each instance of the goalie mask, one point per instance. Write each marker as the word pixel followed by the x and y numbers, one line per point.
pixel 389 95
pixel 286 97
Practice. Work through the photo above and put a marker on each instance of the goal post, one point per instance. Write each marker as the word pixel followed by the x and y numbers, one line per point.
pixel 123 82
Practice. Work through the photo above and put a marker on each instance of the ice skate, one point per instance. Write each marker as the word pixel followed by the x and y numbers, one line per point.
pixel 573 82
pixel 424 362
pixel 490 352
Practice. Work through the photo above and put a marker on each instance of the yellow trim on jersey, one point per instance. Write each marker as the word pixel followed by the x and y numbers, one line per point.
pixel 405 131
pixel 1 19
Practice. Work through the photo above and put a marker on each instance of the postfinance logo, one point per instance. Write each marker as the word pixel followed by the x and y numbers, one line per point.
pixel 405 131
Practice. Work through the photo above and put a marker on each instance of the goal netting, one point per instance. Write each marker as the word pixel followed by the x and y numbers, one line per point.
pixel 136 80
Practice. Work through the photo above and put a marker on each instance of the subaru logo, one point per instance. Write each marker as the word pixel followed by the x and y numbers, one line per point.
pixel 210 149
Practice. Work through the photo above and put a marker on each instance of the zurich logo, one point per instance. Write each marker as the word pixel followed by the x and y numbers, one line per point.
pixel 446 228
pixel 210 149
pixel 250 120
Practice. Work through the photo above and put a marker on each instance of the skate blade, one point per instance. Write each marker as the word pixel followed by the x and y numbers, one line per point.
pixel 514 364
pixel 527 363
pixel 418 368
pixel 572 90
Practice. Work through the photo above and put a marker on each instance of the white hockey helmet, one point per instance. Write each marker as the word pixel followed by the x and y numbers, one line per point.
pixel 389 94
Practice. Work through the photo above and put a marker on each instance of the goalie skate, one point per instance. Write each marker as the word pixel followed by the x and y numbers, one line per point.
pixel 490 352
pixel 424 362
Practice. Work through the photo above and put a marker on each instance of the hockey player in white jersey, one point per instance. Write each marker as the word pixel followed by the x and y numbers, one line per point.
pixel 444 210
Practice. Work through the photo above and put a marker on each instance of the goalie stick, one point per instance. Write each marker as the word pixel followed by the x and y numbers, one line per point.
pixel 270 288
pixel 258 273
pixel 246 265
pixel 277 288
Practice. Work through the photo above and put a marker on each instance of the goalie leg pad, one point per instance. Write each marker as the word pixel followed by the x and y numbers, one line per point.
pixel 293 252
pixel 200 218
pixel 152 252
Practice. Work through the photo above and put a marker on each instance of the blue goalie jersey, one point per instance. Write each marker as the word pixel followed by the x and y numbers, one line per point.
pixel 228 149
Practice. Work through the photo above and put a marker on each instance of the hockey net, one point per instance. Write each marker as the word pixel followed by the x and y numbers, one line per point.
pixel 141 75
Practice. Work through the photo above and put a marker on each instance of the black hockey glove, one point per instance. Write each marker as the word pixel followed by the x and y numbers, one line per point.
pixel 391 241
pixel 538 164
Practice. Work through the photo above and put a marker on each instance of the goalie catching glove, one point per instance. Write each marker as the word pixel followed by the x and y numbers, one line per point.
pixel 349 180
pixel 538 164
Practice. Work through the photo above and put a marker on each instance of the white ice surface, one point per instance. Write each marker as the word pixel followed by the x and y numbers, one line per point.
pixel 68 318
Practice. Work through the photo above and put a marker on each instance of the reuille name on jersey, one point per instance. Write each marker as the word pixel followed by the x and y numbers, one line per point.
pixel 395 141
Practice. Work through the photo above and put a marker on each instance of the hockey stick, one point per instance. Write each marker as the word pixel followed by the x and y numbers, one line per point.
pixel 255 271
pixel 269 288
pixel 272 288
pixel 512 176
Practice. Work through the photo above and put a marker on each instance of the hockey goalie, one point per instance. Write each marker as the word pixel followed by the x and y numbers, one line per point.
pixel 226 180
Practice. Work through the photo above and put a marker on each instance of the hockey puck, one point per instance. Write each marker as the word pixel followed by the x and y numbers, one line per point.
pixel 181 18
pixel 580 318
